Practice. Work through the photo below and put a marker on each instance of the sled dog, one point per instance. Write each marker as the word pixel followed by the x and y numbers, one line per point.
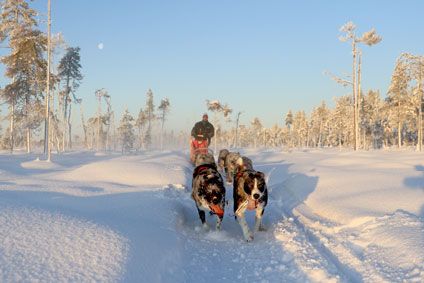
pixel 221 158
pixel 208 192
pixel 250 192
pixel 204 158
pixel 230 166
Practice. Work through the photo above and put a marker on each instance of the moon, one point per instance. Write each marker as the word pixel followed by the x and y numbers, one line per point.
pixel 100 46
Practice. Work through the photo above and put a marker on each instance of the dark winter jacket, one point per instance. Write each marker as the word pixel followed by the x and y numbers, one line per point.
pixel 203 130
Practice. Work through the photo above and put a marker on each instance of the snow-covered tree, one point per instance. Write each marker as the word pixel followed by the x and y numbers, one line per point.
pixel 370 38
pixel 70 75
pixel 399 104
pixel 370 118
pixel 273 133
pixel 101 120
pixel 320 119
pixel 415 69
pixel 342 121
pixel 300 129
pixel 126 132
pixel 216 107
pixel 140 123
pixel 150 117
pixel 25 65
pixel 289 119
pixel 163 111
pixel 256 129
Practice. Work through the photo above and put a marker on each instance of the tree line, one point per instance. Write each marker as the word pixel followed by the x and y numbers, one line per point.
pixel 41 92
pixel 394 120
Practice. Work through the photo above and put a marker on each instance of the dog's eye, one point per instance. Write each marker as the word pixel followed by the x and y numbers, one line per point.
pixel 247 188
pixel 261 187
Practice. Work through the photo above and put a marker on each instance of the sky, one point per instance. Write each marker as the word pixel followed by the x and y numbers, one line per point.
pixel 263 58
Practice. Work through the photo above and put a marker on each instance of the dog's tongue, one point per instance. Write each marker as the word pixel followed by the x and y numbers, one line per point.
pixel 217 210
pixel 252 204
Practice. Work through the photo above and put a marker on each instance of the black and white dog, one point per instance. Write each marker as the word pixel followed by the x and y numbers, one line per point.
pixel 208 192
pixel 250 192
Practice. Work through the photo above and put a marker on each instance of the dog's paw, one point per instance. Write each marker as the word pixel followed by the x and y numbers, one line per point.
pixel 262 228
pixel 206 227
pixel 218 226
pixel 249 238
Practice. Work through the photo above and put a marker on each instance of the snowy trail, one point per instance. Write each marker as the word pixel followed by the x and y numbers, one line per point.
pixel 284 253
pixel 87 217
pixel 225 256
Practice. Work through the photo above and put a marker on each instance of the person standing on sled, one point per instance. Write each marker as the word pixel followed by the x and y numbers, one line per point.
pixel 203 130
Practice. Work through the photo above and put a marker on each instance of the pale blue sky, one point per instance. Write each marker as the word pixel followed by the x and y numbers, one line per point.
pixel 261 57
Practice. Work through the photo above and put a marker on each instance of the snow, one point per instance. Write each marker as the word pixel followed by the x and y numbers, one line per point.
pixel 332 216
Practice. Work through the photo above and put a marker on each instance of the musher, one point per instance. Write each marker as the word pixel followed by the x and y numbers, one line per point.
pixel 203 130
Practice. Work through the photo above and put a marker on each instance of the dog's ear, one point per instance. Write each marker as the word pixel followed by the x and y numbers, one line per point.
pixel 262 175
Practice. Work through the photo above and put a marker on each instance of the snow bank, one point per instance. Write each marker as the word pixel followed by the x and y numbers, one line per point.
pixel 130 171
pixel 38 245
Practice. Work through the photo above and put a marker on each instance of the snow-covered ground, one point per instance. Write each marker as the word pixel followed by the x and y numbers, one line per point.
pixel 332 216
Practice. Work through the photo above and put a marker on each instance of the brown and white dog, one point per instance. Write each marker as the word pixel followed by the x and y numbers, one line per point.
pixel 250 192
pixel 208 192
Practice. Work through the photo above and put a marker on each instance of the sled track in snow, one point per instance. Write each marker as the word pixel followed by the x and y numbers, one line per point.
pixel 346 273
pixel 313 257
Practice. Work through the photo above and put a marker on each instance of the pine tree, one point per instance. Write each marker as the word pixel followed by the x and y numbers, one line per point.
pixel 163 111
pixel 126 132
pixel 140 123
pixel 371 105
pixel 256 126
pixel 415 69
pixel 398 102
pixel 342 121
pixel 69 73
pixel 25 65
pixel 150 115
pixel 289 119
pixel 289 122
pixel 300 129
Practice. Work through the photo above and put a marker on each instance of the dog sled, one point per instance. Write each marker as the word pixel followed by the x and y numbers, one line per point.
pixel 197 147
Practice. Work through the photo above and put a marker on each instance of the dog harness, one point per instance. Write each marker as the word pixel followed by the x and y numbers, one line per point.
pixel 199 169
